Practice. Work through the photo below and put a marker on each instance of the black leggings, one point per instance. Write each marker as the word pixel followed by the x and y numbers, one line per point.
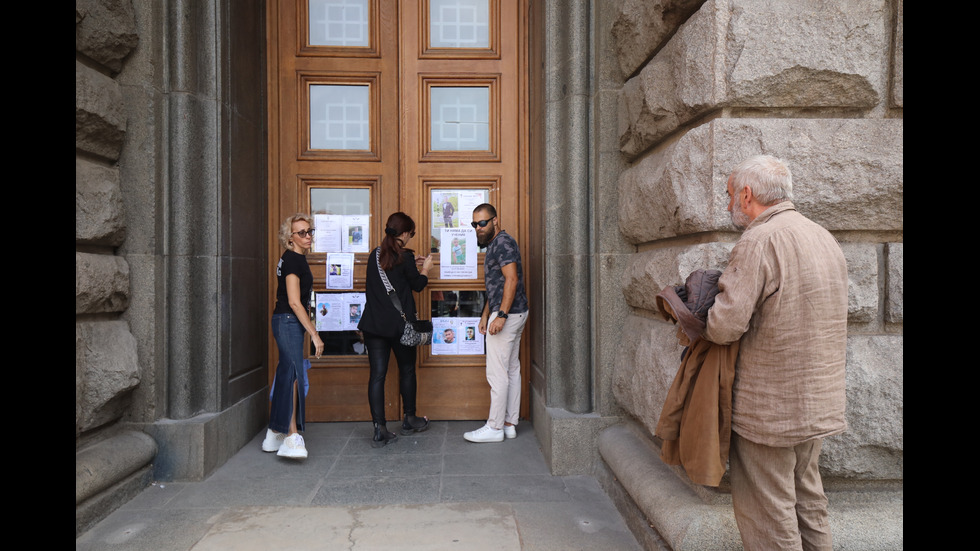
pixel 379 350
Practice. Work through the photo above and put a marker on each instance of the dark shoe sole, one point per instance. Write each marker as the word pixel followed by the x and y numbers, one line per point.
pixel 406 430
pixel 383 443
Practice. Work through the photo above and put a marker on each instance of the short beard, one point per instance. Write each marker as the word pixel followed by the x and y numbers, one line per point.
pixel 739 219
pixel 488 237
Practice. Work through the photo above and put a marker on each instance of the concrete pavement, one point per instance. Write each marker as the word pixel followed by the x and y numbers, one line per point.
pixel 428 491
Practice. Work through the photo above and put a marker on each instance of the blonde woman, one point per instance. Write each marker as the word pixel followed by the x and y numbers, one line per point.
pixel 290 319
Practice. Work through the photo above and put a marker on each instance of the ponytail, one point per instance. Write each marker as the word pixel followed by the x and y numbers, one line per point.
pixel 391 248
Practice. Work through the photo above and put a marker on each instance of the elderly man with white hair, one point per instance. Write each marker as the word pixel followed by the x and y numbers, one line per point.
pixel 784 294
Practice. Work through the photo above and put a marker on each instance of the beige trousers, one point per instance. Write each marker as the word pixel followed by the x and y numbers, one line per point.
pixel 778 496
pixel 504 371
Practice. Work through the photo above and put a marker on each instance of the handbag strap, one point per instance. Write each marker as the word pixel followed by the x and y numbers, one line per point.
pixel 391 291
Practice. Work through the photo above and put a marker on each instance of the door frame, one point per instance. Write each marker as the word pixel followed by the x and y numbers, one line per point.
pixel 519 219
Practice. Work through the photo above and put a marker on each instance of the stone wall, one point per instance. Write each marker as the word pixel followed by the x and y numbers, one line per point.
pixel 105 351
pixel 708 84
pixel 106 363
pixel 171 265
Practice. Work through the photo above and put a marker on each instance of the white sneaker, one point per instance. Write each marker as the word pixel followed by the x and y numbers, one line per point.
pixel 486 433
pixel 272 440
pixel 510 431
pixel 293 446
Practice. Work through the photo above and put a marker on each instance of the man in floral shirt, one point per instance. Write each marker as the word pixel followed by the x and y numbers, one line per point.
pixel 502 321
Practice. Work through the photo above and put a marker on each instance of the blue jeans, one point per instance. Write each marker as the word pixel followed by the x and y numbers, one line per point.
pixel 288 332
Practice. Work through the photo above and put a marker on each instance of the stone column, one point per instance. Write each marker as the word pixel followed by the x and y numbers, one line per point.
pixel 563 274
pixel 195 184
pixel 567 309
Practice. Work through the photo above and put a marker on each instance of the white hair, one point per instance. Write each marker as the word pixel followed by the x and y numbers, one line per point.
pixel 768 176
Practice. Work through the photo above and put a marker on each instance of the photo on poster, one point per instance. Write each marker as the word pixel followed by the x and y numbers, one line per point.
pixel 445 210
pixel 458 251
pixel 322 311
pixel 356 236
pixel 458 254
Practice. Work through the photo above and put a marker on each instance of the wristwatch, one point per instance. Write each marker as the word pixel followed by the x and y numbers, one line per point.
pixel 502 315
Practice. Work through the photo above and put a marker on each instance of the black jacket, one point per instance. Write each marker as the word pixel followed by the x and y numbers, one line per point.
pixel 380 316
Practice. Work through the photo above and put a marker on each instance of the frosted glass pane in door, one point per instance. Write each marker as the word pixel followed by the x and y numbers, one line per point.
pixel 460 118
pixel 340 117
pixel 459 24
pixel 340 201
pixel 339 23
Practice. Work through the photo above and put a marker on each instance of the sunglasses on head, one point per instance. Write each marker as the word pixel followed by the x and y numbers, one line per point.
pixel 481 223
pixel 304 233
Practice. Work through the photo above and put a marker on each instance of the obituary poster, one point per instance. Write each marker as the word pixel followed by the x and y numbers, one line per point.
pixel 328 306
pixel 470 339
pixel 444 336
pixel 356 233
pixel 469 200
pixel 355 307
pixel 339 311
pixel 455 336
pixel 336 233
pixel 340 270
pixel 328 231
pixel 458 254
pixel 452 209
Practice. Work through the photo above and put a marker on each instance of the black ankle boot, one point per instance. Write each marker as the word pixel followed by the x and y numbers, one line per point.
pixel 414 424
pixel 382 436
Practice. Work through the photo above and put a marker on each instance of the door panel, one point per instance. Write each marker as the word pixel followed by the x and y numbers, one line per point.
pixel 378 106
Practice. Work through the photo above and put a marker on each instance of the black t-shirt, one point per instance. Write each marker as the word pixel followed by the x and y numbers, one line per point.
pixel 292 263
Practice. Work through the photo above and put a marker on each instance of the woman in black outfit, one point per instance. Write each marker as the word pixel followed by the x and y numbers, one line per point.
pixel 382 324
pixel 290 320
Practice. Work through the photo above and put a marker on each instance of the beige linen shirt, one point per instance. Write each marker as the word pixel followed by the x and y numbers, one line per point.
pixel 784 293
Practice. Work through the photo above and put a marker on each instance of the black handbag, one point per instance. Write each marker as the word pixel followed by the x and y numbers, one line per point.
pixel 416 332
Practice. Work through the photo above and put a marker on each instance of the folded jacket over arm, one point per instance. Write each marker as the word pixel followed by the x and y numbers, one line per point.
pixel 695 422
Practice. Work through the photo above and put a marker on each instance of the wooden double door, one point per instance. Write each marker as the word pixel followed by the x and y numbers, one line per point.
pixel 379 106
